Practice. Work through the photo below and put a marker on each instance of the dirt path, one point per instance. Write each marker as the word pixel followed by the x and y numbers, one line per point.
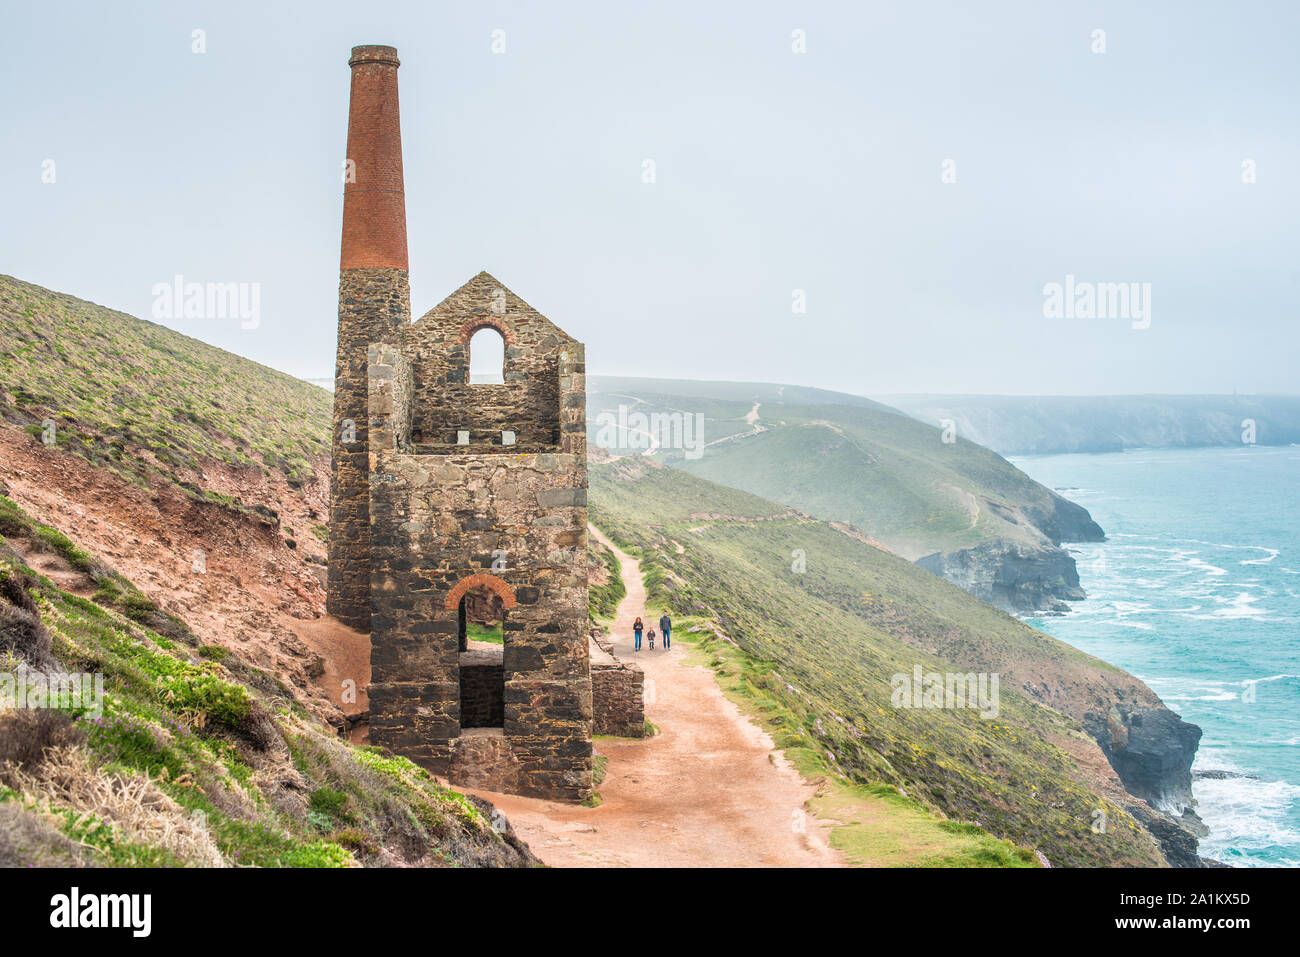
pixel 708 791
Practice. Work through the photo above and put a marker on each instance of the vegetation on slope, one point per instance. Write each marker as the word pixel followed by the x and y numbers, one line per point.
pixel 826 642
pixel 844 458
pixel 195 758
pixel 876 825
pixel 605 588
pixel 143 400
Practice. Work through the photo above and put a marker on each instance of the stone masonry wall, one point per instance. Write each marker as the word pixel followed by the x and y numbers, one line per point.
pixel 618 703
pixel 617 692
pixel 374 306
pixel 527 403
pixel 515 521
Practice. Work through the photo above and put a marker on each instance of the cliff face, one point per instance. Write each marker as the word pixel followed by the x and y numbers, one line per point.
pixel 1011 576
pixel 1151 749
pixel 1023 576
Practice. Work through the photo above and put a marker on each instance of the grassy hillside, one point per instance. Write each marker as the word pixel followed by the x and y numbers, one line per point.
pixel 848 459
pixel 826 641
pixel 143 400
pixel 1028 425
pixel 199 731
pixel 196 758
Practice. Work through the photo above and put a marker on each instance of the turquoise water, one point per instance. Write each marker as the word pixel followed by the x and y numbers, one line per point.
pixel 1197 592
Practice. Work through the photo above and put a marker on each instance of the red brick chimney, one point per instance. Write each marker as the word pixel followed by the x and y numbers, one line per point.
pixel 374 307
pixel 374 205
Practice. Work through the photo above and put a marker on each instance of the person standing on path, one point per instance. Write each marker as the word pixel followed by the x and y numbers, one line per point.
pixel 666 627
pixel 638 626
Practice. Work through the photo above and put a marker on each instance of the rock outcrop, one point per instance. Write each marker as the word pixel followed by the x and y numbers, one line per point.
pixel 1029 575
pixel 1151 749
pixel 1015 577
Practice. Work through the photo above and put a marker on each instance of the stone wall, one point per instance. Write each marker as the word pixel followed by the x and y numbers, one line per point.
pixel 618 702
pixel 441 523
pixel 617 692
pixel 527 403
pixel 374 306
pixel 483 608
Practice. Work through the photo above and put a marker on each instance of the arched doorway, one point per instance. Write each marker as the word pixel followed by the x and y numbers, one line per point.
pixel 481 603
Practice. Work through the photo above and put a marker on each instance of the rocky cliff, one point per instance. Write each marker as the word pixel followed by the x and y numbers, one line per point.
pixel 1031 574
pixel 1012 576
pixel 1151 749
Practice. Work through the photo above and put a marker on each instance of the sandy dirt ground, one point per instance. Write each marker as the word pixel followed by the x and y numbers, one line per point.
pixel 709 790
pixel 255 595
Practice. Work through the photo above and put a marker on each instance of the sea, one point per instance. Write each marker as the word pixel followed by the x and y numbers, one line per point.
pixel 1196 591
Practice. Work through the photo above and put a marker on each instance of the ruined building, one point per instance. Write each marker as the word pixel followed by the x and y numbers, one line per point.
pixel 452 501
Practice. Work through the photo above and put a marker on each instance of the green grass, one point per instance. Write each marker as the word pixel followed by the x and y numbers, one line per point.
pixel 845 458
pixel 184 717
pixel 820 647
pixel 118 387
pixel 603 599
pixel 494 633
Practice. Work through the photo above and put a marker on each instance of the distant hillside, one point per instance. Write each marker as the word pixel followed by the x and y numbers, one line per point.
pixel 1035 425
pixel 985 523
pixel 828 638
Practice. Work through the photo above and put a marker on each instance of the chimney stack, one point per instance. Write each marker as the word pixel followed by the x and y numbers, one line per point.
pixel 374 307
pixel 374 204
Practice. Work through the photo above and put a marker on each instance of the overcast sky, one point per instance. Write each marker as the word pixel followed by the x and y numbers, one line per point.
pixel 775 171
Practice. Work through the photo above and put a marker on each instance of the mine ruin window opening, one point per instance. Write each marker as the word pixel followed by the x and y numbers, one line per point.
pixel 481 619
pixel 487 357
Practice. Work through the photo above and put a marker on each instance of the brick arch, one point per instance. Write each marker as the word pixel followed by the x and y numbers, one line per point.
pixel 481 580
pixel 478 323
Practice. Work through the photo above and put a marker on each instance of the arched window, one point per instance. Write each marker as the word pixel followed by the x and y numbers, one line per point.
pixel 487 357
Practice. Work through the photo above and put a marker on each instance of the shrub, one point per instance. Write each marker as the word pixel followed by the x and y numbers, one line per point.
pixel 328 801
pixel 21 631
pixel 26 734
pixel 11 520
pixel 317 854
pixel 137 607
pixel 208 699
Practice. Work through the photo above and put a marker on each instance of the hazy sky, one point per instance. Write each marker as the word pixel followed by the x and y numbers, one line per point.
pixel 775 171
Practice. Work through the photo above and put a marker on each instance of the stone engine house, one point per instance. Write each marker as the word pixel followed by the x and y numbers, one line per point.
pixel 452 501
